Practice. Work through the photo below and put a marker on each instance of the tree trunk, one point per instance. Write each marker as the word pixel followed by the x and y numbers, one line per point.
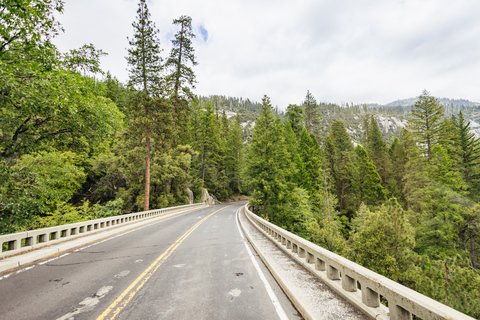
pixel 472 252
pixel 328 203
pixel 343 195
pixel 146 200
pixel 203 166
pixel 446 283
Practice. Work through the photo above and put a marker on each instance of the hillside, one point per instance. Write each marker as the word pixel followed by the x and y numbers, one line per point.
pixel 391 117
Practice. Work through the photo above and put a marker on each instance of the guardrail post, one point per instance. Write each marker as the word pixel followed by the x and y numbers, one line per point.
pixel 319 264
pixel 398 313
pixel 301 252
pixel 348 283
pixel 12 245
pixel 294 248
pixel 29 242
pixel 332 273
pixel 310 258
pixel 370 298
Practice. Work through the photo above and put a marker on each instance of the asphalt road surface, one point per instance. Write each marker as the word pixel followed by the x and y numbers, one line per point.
pixel 196 265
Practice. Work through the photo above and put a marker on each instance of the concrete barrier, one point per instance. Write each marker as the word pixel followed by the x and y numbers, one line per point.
pixel 33 239
pixel 360 286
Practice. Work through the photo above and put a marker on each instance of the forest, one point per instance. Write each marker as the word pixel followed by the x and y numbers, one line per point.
pixel 77 144
pixel 407 210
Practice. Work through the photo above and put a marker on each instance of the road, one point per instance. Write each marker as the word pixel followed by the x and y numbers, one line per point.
pixel 196 265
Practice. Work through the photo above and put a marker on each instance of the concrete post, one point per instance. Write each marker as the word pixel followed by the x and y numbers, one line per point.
pixel 348 283
pixel 398 313
pixel 370 298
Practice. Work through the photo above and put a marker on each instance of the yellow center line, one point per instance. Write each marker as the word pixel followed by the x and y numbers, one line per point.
pixel 136 285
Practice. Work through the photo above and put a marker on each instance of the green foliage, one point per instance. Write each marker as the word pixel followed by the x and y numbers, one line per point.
pixel 34 185
pixel 267 163
pixel 180 78
pixel 28 25
pixel 344 169
pixel 377 150
pixel 371 190
pixel 468 153
pixel 312 116
pixel 383 239
pixel 84 60
pixel 425 120
pixel 144 53
pixel 42 107
pixel 295 118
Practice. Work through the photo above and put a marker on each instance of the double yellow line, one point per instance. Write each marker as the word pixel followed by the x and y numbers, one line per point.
pixel 121 302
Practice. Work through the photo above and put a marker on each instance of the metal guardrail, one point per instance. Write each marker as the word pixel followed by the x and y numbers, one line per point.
pixel 28 240
pixel 360 286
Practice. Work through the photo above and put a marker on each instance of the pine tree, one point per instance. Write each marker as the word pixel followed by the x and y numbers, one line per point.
pixel 268 166
pixel 415 179
pixel 145 63
pixel 310 168
pixel 295 118
pixel 468 147
pixel 344 167
pixel 235 156
pixel 371 190
pixel 181 78
pixel 312 115
pixel 426 117
pixel 209 145
pixel 398 160
pixel 145 67
pixel 377 151
pixel 383 239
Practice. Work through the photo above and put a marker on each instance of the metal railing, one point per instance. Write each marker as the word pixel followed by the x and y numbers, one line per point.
pixel 360 286
pixel 28 240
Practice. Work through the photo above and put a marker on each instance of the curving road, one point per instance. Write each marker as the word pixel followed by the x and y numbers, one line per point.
pixel 192 266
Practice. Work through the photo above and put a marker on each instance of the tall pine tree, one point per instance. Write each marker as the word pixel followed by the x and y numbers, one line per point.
pixel 145 65
pixel 468 148
pixel 268 163
pixel 312 116
pixel 426 117
pixel 181 78
pixel 371 190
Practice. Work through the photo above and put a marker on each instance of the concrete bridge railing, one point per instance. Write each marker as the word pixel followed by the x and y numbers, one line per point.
pixel 28 240
pixel 362 287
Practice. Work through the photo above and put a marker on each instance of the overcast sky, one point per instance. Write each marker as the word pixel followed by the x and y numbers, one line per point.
pixel 342 51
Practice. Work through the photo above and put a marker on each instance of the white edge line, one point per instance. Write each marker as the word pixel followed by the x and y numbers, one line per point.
pixel 278 307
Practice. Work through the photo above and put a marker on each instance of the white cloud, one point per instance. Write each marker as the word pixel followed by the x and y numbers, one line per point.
pixel 351 51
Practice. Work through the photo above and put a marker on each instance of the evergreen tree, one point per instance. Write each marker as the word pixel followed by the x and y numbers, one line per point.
pixel 377 151
pixel 441 170
pixel 312 115
pixel 426 117
pixel 310 167
pixel 235 156
pixel 371 190
pixel 145 63
pixel 145 67
pixel 383 239
pixel 268 163
pixel 294 118
pixel 181 78
pixel 468 148
pixel 208 144
pixel 415 179
pixel 344 168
